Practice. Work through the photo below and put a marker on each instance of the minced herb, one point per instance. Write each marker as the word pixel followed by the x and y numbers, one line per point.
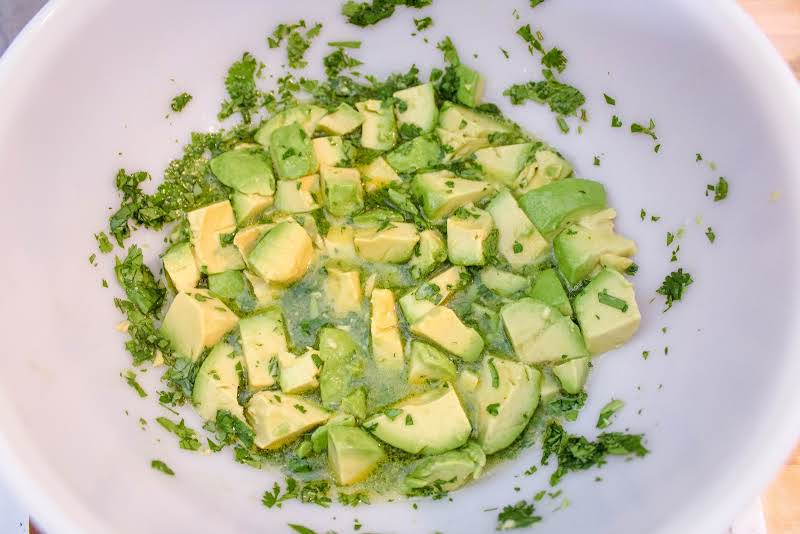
pixel 158 465
pixel 561 98
pixel 515 516
pixel 130 378
pixel 650 129
pixel 243 95
pixel 720 189
pixel 186 436
pixel 423 23
pixel 338 61
pixel 674 286
pixel 180 102
pixel 607 411
pixel 711 235
pixel 366 14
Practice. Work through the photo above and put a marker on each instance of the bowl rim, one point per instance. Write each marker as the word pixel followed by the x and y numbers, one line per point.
pixel 56 510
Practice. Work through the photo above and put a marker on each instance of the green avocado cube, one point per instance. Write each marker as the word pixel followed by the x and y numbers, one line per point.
pixel 292 152
pixel 607 311
pixel 502 164
pixel 378 131
pixel 355 403
pixel 503 283
pixel 547 288
pixel 447 471
pixel 249 207
pixel 181 266
pixel 442 327
pixel 519 242
pixel 540 334
pixel 343 191
pixel 342 121
pixel 429 254
pixel 442 192
pixel 416 107
pixel 246 170
pixel 553 206
pixel 352 454
pixel 283 255
pixel 263 339
pixel 420 153
pixel 468 231
pixel 216 386
pixel 572 374
pixel 298 196
pixel 470 86
pixel 343 365
pixel 428 363
pixel 547 166
pixel 306 115
pixel 329 151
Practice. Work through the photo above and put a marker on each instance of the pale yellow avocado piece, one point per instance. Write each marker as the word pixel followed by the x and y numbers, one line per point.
pixel 540 333
pixel 352 453
pixel 467 235
pixel 387 345
pixel 343 291
pixel 247 207
pixel 206 225
pixel 263 338
pixel 329 150
pixel 339 244
pixel 299 373
pixel 378 174
pixel 443 285
pixel 283 255
pixel 195 321
pixel 297 196
pixel 394 244
pixel 307 115
pixel 606 327
pixel 342 189
pixel 546 167
pixel 442 192
pixel 342 121
pixel 246 238
pixel 442 327
pixel 279 419
pixel 266 294
pixel 520 243
pixel 503 164
pixel 216 386
pixel 378 131
pixel 459 146
pixel 181 267
pixel 467 382
pixel 420 107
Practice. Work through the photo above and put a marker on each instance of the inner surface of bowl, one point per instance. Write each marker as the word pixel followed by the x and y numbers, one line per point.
pixel 87 93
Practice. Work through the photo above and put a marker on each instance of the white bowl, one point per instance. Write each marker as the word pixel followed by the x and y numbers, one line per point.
pixel 85 90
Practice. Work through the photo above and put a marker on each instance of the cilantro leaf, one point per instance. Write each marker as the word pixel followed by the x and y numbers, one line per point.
pixel 301 529
pixel 158 465
pixel 366 14
pixel 607 411
pixel 674 286
pixel 561 98
pixel 423 23
pixel 650 129
pixel 527 35
pixel 555 59
pixel 535 3
pixel 243 95
pixel 130 379
pixel 720 189
pixel 103 243
pixel 180 102
pixel 519 515
pixel 187 437
pixel 145 338
pixel 711 235
pixel 338 61
pixel 138 281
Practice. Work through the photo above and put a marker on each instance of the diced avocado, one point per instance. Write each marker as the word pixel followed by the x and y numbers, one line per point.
pixel 307 116
pixel 503 164
pixel 457 146
pixel 448 471
pixel 547 288
pixel 550 388
pixel 233 289
pixel 376 219
pixel 441 326
pixel 352 454
pixel 572 374
pixel 263 338
pixel 420 153
pixel 393 244
pixel 266 294
pixel 206 226
pixel 470 86
pixel 503 283
pixel 539 333
pixel 432 293
pixel 342 121
pixel 329 151
pixel 553 206
pixel 417 107
pixel 470 123
pixel 579 248
pixel 428 363
pixel 506 398
pixel 599 309
pixel 339 244
pixel 387 345
pixel 378 174
pixel 468 230
pixel 378 131
pixel 181 267
pixel 520 243
pixel 298 373
pixel 292 153
pixel 344 194
pixel 247 170
pixel 216 386
pixel 246 238
pixel 441 193
pixel 355 403
pixel 343 365
pixel 279 419
pixel 298 196
pixel 283 254
pixel 195 321
pixel 249 207
pixel 430 423
pixel 319 438
pixel 343 291
pixel 431 251
pixel 546 167
pixel 467 382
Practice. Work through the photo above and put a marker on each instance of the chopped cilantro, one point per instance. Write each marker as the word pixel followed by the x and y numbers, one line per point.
pixel 610 101
pixel 642 214
pixel 645 354
pixel 515 516
pixel 187 437
pixel 566 405
pixel 345 44
pixel 243 95
pixel 180 101
pixel 409 420
pixel 615 122
pixel 674 286
pixel 297 45
pixel 698 157
pixel 555 59
pixel 130 378
pixel 650 129
pixel 145 338
pixel 423 23
pixel 339 61
pixel 711 235
pixel 138 281
pixel 92 257
pixel 366 14
pixel 657 148
pixel 392 413
pixel 158 465
pixel 517 247
pixel 493 372
pixel 353 499
pixel 529 37
pixel 720 189
pixel 535 3
pixel 493 409
pixel 632 269
pixel 562 124
pixel 504 52
pixel 561 98
pixel 449 50
pixel 607 411
pixel 300 529
pixel 614 302
pixel 596 161
pixel 670 238
pixel 103 243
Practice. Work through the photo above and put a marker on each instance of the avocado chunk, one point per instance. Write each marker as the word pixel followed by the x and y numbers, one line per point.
pixel 468 231
pixel 457 146
pixel 378 174
pixel 432 293
pixel 181 267
pixel 467 383
pixel 307 116
pixel 206 226
pixel 506 398
pixel 471 123
pixel 547 288
pixel 298 373
pixel 502 164
pixel 263 338
pixel 339 244
pixel 394 243
pixel 503 283
pixel 292 152
pixel 279 419
pixel 470 86
pixel 550 388
pixel 355 403
pixel 420 153
pixel 247 238
pixel 441 193
pixel 553 206
pixel 428 363
pixel 446 472
pixel 249 207
pixel 319 438
pixel 196 321
pixel 298 196
pixel 343 365
pixel 540 334
pixel 572 374
pixel 442 327
pixel 265 294
pixel 246 170
pixel 430 423
pixel 233 289
pixel 429 254
pixel 344 194
pixel 546 167
pixel 607 311
pixel 582 247
pixel 352 454
pixel 329 151
pixel 519 242
pixel 378 131
pixel 216 386
pixel 416 107
pixel 283 254
pixel 342 121
pixel 343 291
pixel 387 345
